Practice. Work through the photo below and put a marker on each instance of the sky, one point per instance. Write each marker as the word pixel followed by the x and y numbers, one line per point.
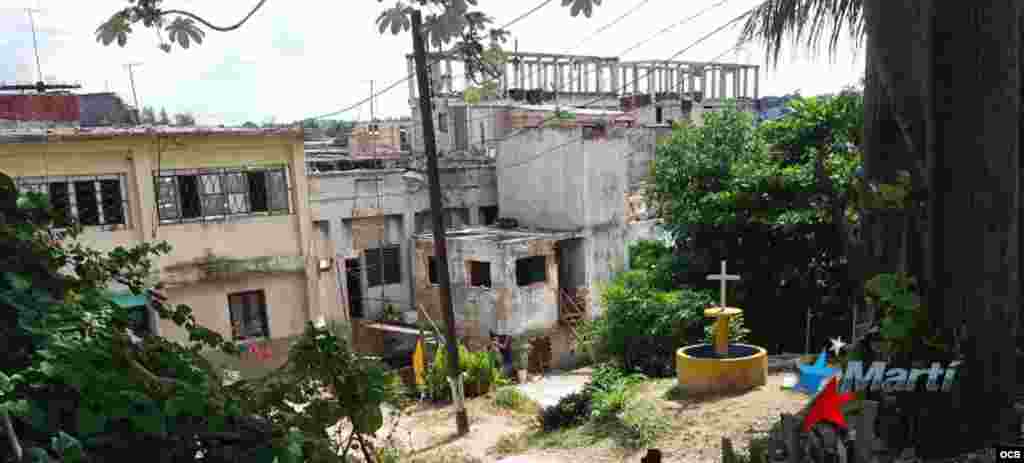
pixel 305 58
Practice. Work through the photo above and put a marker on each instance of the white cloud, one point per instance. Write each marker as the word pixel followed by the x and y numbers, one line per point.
pixel 300 59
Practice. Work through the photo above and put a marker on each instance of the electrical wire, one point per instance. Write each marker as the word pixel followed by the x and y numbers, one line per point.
pixel 412 75
pixel 673 26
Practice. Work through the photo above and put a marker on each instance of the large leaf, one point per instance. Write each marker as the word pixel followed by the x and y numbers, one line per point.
pixel 115 28
pixel 184 31
pixel 585 6
pixel 395 18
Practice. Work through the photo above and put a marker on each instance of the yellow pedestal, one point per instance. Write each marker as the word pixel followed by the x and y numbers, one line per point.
pixel 698 375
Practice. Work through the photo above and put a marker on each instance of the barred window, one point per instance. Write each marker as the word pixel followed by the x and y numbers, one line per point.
pixel 185 195
pixel 248 313
pixel 90 200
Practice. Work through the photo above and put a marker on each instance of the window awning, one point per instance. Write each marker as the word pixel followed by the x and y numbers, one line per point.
pixel 128 299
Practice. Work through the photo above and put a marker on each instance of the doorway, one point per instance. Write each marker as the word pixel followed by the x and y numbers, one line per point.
pixel 354 283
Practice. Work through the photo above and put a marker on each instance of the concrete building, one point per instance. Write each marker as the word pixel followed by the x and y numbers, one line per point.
pixel 233 204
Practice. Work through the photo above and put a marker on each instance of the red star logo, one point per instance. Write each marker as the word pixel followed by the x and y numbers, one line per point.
pixel 828 407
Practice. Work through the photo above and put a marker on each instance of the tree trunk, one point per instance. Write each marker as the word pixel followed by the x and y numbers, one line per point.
pixel 975 189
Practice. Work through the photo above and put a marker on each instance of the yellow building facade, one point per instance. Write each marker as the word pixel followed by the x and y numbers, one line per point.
pixel 232 203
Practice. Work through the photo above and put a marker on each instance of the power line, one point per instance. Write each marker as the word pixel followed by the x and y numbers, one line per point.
pixel 612 23
pixel 411 75
pixel 627 84
pixel 673 26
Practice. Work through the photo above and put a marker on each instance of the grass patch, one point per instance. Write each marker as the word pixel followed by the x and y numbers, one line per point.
pixel 510 398
pixel 512 444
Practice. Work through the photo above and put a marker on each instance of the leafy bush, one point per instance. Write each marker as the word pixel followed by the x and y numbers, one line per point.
pixel 510 398
pixel 664 320
pixel 480 369
pixel 571 410
pixel 645 254
pixel 644 423
pixel 737 330
pixel 610 389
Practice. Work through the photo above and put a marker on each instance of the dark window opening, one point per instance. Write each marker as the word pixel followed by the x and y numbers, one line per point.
pixel 248 312
pixel 658 115
pixel 442 122
pixel 139 320
pixel 479 274
pixel 188 187
pixel 489 215
pixel 530 270
pixel 432 271
pixel 112 202
pixel 60 200
pixel 88 205
pixel 353 277
pixel 258 191
pixel 592 132
pixel 383 266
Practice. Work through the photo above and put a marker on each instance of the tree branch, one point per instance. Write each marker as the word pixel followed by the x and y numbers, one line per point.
pixel 12 438
pixel 211 26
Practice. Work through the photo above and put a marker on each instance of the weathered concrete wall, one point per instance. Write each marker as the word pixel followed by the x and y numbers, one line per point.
pixel 606 256
pixel 289 237
pixel 504 308
pixel 553 179
pixel 361 218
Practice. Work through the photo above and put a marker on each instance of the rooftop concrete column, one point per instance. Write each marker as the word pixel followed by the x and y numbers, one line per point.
pixel 636 80
pixel 757 81
pixel 736 82
pixel 746 81
pixel 649 75
pixel 600 75
pixel 143 211
pixel 519 74
pixel 704 83
pixel 543 75
pixel 721 78
pixel 614 78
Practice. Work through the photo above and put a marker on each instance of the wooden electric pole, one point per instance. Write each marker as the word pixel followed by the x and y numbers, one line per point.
pixel 440 245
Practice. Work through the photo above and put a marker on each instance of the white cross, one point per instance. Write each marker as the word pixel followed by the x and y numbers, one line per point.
pixel 723 277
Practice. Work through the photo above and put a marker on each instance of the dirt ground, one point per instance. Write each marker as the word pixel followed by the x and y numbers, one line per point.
pixel 427 432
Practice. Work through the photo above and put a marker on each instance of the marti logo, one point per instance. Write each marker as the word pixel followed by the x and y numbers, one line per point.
pixel 896 379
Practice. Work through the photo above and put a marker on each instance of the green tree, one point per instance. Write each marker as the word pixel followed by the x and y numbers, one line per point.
pixel 444 22
pixel 148 116
pixel 78 385
pixel 923 110
pixel 250 125
pixel 164 120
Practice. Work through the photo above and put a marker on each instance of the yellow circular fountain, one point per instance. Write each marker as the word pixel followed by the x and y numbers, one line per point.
pixel 722 366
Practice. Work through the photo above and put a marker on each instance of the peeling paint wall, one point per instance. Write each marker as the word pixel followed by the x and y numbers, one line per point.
pixel 504 308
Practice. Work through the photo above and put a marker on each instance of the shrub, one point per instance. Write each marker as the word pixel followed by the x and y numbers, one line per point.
pixel 610 388
pixel 571 410
pixel 480 369
pixel 643 423
pixel 636 309
pixel 510 398
pixel 737 330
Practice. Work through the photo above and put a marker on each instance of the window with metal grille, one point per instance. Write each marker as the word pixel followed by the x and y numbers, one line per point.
pixel 90 200
pixel 442 122
pixel 185 195
pixel 248 312
pixel 479 274
pixel 384 265
pixel 530 270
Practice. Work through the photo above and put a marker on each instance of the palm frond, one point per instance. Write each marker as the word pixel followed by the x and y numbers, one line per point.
pixel 803 22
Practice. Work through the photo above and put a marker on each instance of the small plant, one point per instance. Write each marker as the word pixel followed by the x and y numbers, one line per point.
pixel 611 390
pixel 571 410
pixel 390 314
pixel 510 398
pixel 738 331
pixel 644 423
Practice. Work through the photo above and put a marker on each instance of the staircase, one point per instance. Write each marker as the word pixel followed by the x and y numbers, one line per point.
pixel 572 310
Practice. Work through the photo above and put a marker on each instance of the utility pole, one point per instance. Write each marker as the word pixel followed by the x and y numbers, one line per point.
pixel 135 96
pixel 440 245
pixel 35 44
